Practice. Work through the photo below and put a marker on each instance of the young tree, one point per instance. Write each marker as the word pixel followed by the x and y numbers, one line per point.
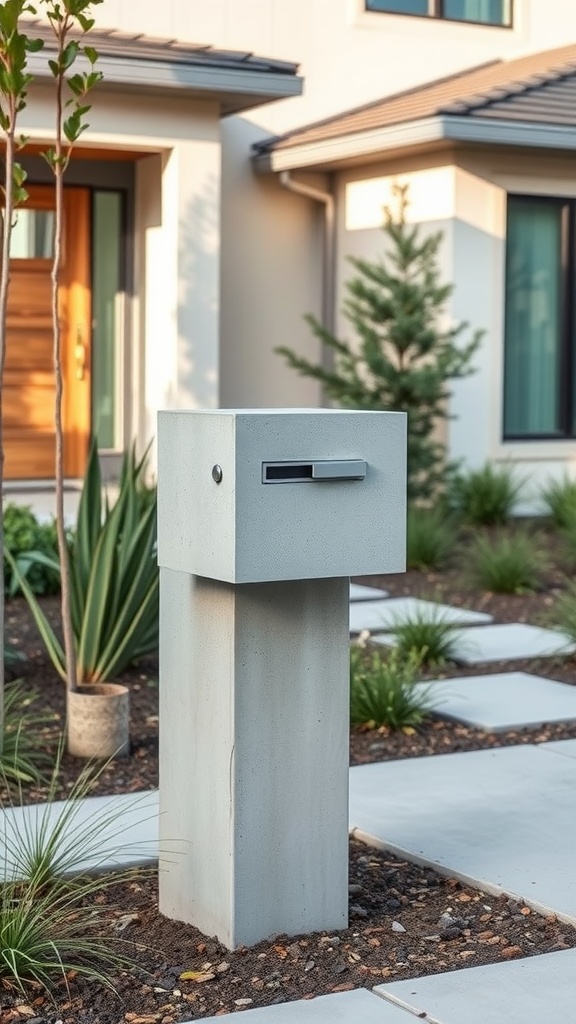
pixel 15 46
pixel 70 21
pixel 401 357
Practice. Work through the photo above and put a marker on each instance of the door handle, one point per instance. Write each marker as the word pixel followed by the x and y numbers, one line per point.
pixel 80 354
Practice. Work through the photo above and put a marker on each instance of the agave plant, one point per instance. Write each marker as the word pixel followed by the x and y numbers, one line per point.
pixel 114 577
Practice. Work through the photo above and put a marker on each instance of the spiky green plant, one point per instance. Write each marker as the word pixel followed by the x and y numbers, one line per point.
pixel 52 862
pixel 384 690
pixel 508 563
pixel 430 538
pixel 427 635
pixel 23 757
pixel 559 498
pixel 486 496
pixel 114 577
pixel 563 615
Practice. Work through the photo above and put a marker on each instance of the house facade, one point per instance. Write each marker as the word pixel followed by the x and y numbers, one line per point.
pixel 206 218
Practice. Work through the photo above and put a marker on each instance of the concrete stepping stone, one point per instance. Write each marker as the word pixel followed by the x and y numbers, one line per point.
pixel 501 820
pixel 358 1005
pixel 507 700
pixel 533 990
pixel 509 641
pixel 565 747
pixel 385 614
pixel 361 593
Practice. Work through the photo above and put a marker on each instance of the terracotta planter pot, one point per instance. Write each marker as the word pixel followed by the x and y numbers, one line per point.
pixel 98 721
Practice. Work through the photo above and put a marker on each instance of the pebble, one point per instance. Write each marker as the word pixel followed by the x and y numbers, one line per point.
pixel 397 927
pixel 358 911
pixel 243 1002
pixel 393 903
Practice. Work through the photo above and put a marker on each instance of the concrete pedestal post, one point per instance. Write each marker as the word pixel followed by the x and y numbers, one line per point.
pixel 254 755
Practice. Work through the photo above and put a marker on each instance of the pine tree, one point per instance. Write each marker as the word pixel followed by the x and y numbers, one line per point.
pixel 401 358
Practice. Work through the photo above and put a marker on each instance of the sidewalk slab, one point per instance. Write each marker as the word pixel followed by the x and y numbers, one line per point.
pixel 509 641
pixel 358 1006
pixel 501 820
pixel 361 593
pixel 386 614
pixel 535 990
pixel 505 700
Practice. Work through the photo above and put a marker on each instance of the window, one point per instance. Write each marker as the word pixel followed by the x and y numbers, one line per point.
pixel 479 12
pixel 539 334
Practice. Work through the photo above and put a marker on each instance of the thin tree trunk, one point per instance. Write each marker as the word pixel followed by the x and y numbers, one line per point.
pixel 4 286
pixel 69 646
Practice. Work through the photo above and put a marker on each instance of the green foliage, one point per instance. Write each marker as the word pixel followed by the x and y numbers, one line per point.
pixel 22 754
pixel 114 574
pixel 400 358
pixel 25 536
pixel 559 497
pixel 384 690
pixel 430 538
pixel 508 563
pixel 563 615
pixel 50 917
pixel 486 496
pixel 428 635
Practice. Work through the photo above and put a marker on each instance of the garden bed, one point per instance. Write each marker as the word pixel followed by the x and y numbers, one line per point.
pixel 398 924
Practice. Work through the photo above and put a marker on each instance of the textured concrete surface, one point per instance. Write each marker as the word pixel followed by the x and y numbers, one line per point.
pixel 507 700
pixel 357 1007
pixel 501 819
pixel 386 614
pixel 254 709
pixel 536 990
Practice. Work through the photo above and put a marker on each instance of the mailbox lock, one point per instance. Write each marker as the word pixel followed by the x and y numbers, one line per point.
pixel 217 474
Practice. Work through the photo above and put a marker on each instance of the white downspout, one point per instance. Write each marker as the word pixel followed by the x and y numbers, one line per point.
pixel 328 256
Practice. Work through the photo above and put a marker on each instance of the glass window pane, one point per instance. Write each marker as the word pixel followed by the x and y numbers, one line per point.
pixel 107 318
pixel 488 12
pixel 398 6
pixel 32 235
pixel 533 327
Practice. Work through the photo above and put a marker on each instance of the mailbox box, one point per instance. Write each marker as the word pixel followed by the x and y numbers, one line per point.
pixel 275 494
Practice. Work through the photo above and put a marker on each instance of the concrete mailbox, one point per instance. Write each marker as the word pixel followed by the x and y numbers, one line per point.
pixel 263 517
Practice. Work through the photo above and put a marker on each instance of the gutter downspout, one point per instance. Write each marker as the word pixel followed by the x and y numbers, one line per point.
pixel 328 256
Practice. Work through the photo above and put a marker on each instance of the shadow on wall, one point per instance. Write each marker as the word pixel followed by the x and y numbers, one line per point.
pixel 198 302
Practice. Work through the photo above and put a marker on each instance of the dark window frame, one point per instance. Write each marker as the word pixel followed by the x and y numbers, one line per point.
pixel 436 13
pixel 566 382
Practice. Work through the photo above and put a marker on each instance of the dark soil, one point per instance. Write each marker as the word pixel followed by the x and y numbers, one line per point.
pixel 395 907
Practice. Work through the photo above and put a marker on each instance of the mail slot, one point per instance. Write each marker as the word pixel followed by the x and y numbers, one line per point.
pixel 220 515
pixel 302 472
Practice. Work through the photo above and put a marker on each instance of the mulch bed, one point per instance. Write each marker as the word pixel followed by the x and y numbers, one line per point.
pixel 406 921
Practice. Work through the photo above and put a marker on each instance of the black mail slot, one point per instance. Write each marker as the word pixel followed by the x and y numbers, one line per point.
pixel 323 469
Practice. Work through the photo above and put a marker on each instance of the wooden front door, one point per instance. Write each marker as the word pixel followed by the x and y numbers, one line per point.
pixel 29 441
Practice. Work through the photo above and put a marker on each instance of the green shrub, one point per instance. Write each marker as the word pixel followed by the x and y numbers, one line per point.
pixel 23 534
pixel 23 754
pixel 510 563
pixel 430 538
pixel 426 635
pixel 51 921
pixel 559 497
pixel 384 690
pixel 487 496
pixel 563 615
pixel 115 578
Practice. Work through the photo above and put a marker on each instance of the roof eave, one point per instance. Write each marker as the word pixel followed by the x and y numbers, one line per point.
pixel 236 89
pixel 359 147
